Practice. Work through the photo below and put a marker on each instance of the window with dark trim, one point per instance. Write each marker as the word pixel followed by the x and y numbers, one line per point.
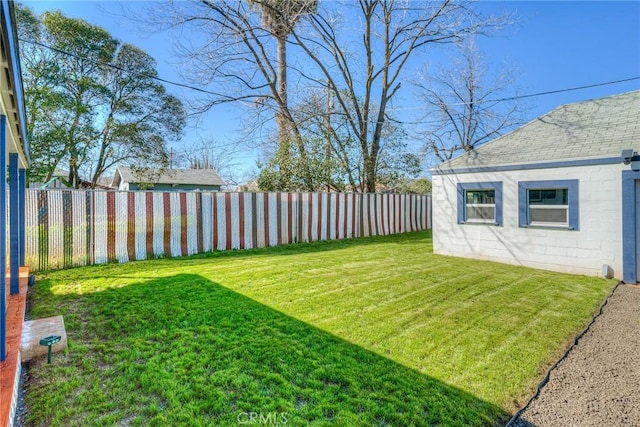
pixel 552 204
pixel 480 203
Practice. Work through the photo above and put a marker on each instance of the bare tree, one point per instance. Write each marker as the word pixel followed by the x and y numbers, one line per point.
pixel 365 81
pixel 465 106
pixel 362 66
pixel 327 136
pixel 209 153
pixel 280 18
pixel 243 56
pixel 336 154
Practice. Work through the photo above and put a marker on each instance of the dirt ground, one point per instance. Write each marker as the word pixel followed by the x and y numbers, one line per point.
pixel 19 420
pixel 598 384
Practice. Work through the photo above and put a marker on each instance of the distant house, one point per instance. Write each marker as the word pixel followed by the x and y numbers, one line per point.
pixel 53 182
pixel 59 178
pixel 558 193
pixel 126 179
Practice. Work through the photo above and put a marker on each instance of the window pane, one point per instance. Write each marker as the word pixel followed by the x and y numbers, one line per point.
pixel 554 215
pixel 480 205
pixel 481 212
pixel 554 196
pixel 548 206
pixel 481 197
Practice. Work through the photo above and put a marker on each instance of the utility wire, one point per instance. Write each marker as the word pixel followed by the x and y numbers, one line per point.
pixel 550 92
pixel 201 90
pixel 116 67
pixel 564 90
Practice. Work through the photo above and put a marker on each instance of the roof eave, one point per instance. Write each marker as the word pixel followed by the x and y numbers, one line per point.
pixel 13 64
pixel 552 164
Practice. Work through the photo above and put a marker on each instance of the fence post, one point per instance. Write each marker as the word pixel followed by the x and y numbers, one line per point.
pixel 89 227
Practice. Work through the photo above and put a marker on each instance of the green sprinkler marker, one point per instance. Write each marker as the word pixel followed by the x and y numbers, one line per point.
pixel 49 341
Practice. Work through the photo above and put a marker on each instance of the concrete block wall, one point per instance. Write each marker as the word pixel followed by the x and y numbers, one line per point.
pixel 598 240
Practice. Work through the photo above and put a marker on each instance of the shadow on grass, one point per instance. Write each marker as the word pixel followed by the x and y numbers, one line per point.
pixel 183 350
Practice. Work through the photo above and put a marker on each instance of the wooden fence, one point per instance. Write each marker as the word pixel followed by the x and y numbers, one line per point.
pixel 66 228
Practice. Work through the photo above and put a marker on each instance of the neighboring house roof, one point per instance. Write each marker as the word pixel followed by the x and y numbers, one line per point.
pixel 61 177
pixel 105 181
pixel 172 177
pixel 598 128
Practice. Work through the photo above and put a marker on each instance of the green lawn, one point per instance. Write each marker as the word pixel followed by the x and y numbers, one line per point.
pixel 376 331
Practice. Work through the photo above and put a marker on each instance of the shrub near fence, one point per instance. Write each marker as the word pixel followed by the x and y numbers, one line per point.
pixel 68 228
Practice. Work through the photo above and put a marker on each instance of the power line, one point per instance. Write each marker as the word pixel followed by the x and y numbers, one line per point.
pixel 201 90
pixel 530 95
pixel 116 67
pixel 550 92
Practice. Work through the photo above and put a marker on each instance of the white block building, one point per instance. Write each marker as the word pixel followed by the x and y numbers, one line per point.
pixel 554 194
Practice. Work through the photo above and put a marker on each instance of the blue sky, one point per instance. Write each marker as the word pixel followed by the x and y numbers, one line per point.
pixel 554 46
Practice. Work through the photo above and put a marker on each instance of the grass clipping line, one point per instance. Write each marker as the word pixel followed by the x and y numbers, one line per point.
pixel 545 380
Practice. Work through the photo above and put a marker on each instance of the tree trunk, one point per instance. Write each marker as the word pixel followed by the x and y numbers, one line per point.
pixel 284 141
pixel 327 154
pixel 281 120
pixel 287 131
pixel 370 173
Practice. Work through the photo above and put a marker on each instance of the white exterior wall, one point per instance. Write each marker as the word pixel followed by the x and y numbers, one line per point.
pixel 598 240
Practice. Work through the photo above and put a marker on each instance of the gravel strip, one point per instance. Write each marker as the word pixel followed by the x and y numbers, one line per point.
pixel 598 384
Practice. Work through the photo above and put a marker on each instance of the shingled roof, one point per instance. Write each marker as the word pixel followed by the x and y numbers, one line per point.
pixel 172 177
pixel 598 128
